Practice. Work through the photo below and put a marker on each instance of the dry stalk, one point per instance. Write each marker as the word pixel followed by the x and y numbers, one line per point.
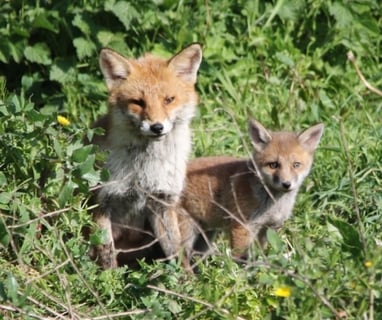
pixel 352 59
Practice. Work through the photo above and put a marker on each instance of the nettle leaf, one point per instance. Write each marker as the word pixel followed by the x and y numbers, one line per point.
pixel 3 179
pixel 42 21
pixel 342 15
pixel 325 100
pixel 16 50
pixel 62 71
pixel 115 40
pixel 4 235
pixel 98 237
pixel 285 59
pixel 66 193
pixel 274 240
pixel 81 154
pixel 350 236
pixel 84 47
pixel 81 24
pixel 124 11
pixel 12 286
pixel 39 53
pixel 4 52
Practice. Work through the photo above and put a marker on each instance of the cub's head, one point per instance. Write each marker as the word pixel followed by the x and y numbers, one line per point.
pixel 148 95
pixel 284 159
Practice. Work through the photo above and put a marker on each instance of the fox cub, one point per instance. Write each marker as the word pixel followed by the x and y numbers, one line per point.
pixel 247 196
pixel 148 139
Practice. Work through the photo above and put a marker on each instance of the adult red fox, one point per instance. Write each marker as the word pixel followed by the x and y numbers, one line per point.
pixel 247 196
pixel 148 138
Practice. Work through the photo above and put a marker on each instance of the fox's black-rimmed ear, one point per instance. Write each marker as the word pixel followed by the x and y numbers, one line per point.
pixel 310 137
pixel 186 63
pixel 114 67
pixel 260 137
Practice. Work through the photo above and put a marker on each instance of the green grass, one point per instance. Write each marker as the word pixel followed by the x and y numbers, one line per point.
pixel 283 63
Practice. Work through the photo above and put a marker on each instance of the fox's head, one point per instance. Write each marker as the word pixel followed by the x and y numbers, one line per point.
pixel 147 96
pixel 284 159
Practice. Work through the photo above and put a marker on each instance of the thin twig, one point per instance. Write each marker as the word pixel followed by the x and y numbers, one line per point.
pixel 356 209
pixel 43 216
pixel 121 314
pixel 351 58
pixel 81 277
pixel 21 311
pixel 353 186
pixel 179 295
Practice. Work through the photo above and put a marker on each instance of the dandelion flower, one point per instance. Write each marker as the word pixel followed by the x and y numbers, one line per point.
pixel 283 292
pixel 63 121
pixel 368 264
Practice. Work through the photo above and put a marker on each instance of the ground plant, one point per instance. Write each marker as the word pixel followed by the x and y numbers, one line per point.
pixel 285 63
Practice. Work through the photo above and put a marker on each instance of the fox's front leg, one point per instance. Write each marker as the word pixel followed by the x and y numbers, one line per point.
pixel 104 253
pixel 165 225
pixel 240 238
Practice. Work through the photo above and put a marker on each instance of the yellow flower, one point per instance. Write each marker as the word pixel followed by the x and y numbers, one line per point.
pixel 63 121
pixel 368 264
pixel 283 292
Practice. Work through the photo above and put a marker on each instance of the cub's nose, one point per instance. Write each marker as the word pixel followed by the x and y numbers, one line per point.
pixel 156 128
pixel 286 185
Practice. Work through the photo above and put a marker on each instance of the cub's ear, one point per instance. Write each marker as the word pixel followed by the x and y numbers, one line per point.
pixel 310 137
pixel 260 137
pixel 186 63
pixel 114 67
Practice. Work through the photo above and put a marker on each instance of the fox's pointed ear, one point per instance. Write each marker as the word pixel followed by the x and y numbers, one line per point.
pixel 186 63
pixel 310 137
pixel 260 137
pixel 114 67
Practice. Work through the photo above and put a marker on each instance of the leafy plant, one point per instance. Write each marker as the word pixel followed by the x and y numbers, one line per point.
pixel 281 62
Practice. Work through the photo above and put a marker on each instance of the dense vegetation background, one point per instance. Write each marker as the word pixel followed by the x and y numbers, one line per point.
pixel 281 62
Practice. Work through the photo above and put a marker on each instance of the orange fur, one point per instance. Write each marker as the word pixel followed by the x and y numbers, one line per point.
pixel 147 136
pixel 247 196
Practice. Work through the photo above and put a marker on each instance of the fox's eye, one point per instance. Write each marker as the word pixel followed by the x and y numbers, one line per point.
pixel 168 100
pixel 273 165
pixel 138 102
pixel 296 165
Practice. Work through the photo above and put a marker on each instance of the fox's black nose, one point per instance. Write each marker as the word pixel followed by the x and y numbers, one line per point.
pixel 156 128
pixel 286 185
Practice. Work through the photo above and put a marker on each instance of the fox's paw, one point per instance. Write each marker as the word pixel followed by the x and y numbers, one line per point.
pixel 104 256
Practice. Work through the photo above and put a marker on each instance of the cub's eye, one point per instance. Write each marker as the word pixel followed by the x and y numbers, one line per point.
pixel 273 165
pixel 296 165
pixel 138 102
pixel 168 100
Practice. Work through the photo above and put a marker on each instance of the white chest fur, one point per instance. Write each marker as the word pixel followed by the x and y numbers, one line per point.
pixel 146 170
pixel 274 211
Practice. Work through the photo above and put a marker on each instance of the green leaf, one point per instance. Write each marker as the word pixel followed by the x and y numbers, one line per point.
pixel 39 53
pixel 174 306
pixel 5 197
pixel 4 236
pixel 99 237
pixel 325 100
pixel 285 59
pixel 3 179
pixel 66 194
pixel 80 155
pixel 274 239
pixel 84 48
pixel 81 23
pixel 88 164
pixel 42 21
pixel 124 11
pixel 62 71
pixel 342 15
pixel 350 236
pixel 12 286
